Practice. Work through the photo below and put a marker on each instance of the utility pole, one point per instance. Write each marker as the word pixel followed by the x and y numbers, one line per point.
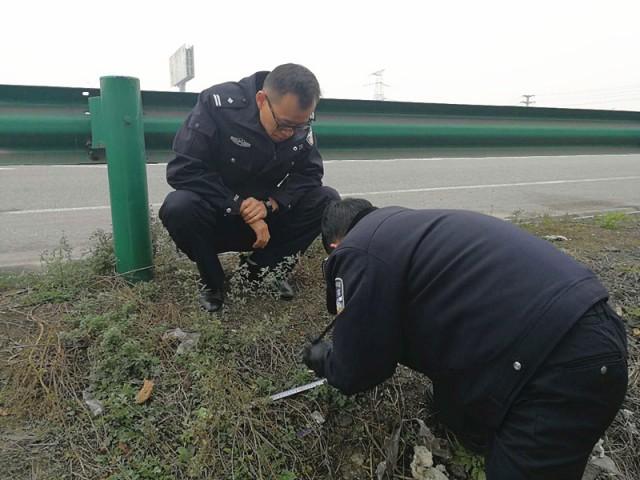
pixel 378 90
pixel 527 100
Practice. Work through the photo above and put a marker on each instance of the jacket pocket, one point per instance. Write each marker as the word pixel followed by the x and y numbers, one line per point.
pixel 595 361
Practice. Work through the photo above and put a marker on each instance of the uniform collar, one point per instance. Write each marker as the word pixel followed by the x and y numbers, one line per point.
pixel 361 214
pixel 250 86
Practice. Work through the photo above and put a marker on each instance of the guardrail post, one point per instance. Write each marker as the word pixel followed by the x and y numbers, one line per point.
pixel 116 125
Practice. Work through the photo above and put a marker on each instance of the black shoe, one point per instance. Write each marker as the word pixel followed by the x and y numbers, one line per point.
pixel 254 273
pixel 210 300
pixel 285 289
pixel 257 275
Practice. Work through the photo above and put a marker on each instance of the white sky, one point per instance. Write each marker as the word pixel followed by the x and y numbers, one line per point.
pixel 569 53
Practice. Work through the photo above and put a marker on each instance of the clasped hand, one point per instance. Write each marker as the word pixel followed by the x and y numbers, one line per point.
pixel 253 213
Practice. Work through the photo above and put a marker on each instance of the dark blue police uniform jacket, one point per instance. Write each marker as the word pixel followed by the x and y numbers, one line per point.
pixel 224 154
pixel 473 302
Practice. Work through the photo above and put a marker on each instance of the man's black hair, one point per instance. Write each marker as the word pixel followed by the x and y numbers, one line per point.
pixel 295 79
pixel 338 217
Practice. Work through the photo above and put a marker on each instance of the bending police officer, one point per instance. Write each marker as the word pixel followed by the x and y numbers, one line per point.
pixel 525 356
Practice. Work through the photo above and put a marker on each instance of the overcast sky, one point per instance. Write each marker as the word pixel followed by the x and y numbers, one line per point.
pixel 569 53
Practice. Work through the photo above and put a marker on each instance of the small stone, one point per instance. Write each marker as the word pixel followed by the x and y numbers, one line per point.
pixel 317 417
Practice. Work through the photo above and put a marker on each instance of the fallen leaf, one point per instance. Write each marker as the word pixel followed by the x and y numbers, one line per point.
pixel 392 449
pixel 636 332
pixel 4 412
pixel 124 448
pixel 145 392
pixel 387 466
pixel 433 443
pixel 425 432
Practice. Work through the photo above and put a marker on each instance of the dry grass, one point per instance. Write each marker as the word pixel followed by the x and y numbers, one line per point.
pixel 76 326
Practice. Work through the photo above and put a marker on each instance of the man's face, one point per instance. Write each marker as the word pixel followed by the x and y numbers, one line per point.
pixel 282 117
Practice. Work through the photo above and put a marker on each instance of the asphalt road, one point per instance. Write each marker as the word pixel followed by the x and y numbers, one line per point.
pixel 39 205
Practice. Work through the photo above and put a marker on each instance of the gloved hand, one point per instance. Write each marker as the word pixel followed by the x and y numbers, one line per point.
pixel 314 356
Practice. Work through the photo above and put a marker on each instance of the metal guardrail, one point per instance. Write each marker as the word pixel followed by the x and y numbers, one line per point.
pixel 52 125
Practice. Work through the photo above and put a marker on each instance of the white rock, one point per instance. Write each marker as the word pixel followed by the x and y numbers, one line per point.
pixel 422 465
pixel 94 405
pixel 317 417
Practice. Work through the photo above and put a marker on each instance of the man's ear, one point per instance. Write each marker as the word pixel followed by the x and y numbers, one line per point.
pixel 260 98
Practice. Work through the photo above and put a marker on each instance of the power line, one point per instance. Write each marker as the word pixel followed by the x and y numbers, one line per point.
pixel 596 102
pixel 602 90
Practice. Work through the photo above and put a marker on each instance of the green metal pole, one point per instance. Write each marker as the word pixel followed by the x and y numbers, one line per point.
pixel 121 129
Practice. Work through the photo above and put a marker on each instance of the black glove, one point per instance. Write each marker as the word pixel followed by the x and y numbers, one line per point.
pixel 314 356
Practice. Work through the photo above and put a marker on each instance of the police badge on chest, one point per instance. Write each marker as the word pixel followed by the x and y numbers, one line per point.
pixel 339 295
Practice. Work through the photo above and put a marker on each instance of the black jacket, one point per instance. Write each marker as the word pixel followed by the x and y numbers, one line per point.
pixel 472 301
pixel 224 155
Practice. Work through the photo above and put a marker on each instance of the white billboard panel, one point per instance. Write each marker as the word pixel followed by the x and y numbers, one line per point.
pixel 181 64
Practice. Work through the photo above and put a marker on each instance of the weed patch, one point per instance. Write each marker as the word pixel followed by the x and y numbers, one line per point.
pixel 77 330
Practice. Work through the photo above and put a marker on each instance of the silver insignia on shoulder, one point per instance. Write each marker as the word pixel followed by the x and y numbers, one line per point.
pixel 241 142
pixel 230 100
pixel 339 295
pixel 310 137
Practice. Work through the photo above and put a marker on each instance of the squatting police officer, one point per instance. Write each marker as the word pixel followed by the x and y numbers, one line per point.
pixel 247 176
pixel 526 358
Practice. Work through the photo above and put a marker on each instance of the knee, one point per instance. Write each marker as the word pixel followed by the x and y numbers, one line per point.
pixel 317 199
pixel 329 194
pixel 179 209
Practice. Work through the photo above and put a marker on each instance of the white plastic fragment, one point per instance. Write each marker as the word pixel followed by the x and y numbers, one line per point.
pixel 188 341
pixel 94 405
pixel 555 238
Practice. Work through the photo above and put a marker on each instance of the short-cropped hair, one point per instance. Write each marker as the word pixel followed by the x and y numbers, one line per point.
pixel 294 79
pixel 338 217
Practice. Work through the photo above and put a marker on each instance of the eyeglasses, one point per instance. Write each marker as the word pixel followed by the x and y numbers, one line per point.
pixel 301 128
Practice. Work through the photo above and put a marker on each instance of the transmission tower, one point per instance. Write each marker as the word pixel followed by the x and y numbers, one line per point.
pixel 378 85
pixel 527 100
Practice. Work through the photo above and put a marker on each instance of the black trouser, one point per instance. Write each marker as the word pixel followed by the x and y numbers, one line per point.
pixel 202 232
pixel 565 408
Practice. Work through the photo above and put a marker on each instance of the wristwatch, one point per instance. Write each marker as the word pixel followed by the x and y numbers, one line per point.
pixel 269 206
